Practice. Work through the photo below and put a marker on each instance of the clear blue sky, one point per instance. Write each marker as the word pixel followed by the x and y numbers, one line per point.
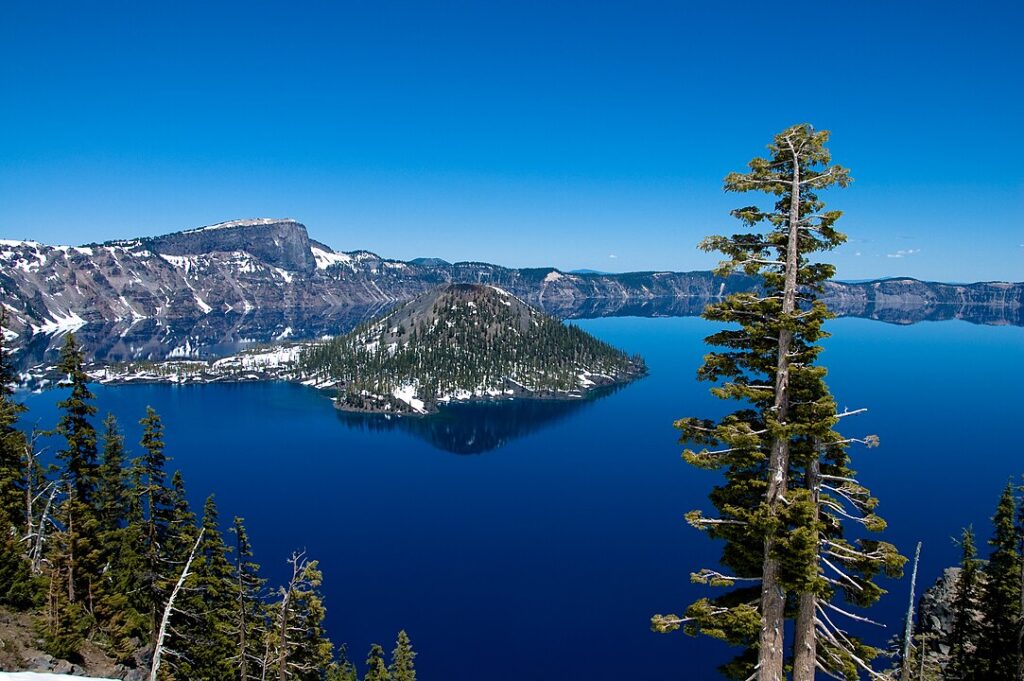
pixel 581 135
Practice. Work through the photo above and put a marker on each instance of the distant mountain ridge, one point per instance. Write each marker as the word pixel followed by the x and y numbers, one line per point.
pixel 271 266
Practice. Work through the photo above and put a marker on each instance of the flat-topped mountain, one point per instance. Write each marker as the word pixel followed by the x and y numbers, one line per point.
pixel 271 268
pixel 461 342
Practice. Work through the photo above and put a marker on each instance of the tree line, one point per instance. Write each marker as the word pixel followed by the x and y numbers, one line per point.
pixel 104 547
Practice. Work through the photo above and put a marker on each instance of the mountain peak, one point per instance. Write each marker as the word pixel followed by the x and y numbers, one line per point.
pixel 281 242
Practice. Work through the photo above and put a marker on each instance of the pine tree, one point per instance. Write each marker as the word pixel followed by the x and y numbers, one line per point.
pixel 300 648
pixel 152 520
pixel 79 454
pixel 202 644
pixel 1000 604
pixel 787 482
pixel 402 666
pixel 376 669
pixel 249 611
pixel 15 580
pixel 112 489
pixel 83 549
pixel 342 669
pixel 966 634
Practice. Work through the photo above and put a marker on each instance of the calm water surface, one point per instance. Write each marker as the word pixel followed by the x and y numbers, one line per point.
pixel 541 550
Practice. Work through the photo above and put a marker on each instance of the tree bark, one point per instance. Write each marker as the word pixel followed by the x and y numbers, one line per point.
pixel 773 597
pixel 908 630
pixel 165 620
pixel 805 642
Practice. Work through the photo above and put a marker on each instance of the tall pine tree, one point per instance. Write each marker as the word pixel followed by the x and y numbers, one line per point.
pixel 787 481
pixel 402 666
pixel 966 634
pixel 1000 604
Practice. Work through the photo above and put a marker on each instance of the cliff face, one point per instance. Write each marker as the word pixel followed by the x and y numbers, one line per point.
pixel 267 269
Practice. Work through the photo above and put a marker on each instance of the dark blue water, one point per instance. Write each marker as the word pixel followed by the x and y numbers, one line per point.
pixel 543 554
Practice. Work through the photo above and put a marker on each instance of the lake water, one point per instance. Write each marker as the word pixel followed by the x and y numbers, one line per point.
pixel 535 540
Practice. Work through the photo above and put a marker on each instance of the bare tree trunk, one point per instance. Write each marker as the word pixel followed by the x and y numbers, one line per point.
pixel 805 642
pixel 159 648
pixel 908 629
pixel 773 598
pixel 282 644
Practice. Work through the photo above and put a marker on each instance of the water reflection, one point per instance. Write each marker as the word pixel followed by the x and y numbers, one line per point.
pixel 478 427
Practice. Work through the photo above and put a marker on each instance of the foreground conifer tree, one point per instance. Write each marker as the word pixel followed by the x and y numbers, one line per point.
pixel 963 660
pixel 787 487
pixel 1000 604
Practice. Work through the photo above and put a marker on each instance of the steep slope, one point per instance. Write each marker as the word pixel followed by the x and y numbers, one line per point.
pixel 463 341
pixel 270 268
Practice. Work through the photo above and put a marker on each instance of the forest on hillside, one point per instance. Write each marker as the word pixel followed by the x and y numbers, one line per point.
pixel 102 549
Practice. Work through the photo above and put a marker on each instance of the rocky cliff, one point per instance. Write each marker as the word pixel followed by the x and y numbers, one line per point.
pixel 271 269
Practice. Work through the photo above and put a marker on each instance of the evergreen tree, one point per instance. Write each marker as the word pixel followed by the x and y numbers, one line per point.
pixel 249 612
pixel 301 650
pixel 152 519
pixel 15 580
pixel 376 669
pixel 787 482
pixel 79 454
pixel 966 634
pixel 202 631
pixel 83 550
pixel 112 490
pixel 1000 603
pixel 402 667
pixel 342 669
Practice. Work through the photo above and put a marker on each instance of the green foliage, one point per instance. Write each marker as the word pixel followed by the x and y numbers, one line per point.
pixel 963 660
pixel 108 564
pixel 765 361
pixel 402 666
pixel 1000 605
pixel 376 669
pixel 467 338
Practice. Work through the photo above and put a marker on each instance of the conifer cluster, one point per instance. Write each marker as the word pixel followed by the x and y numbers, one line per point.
pixel 104 546
pixel 462 338
pixel 987 638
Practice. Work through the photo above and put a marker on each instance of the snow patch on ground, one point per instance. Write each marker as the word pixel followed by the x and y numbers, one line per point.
pixel 185 262
pixel 60 324
pixel 250 222
pixel 325 259
pixel 407 394
pixel 553 276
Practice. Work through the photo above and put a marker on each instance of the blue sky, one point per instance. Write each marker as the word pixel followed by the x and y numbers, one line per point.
pixel 581 135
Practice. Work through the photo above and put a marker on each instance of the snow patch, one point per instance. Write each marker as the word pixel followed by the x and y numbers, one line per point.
pixel 325 259
pixel 553 276
pixel 60 324
pixel 250 222
pixel 407 394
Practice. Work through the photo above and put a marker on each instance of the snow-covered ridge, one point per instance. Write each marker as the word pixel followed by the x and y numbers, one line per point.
pixel 248 222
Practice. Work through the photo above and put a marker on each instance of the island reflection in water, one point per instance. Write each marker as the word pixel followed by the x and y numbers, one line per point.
pixel 477 427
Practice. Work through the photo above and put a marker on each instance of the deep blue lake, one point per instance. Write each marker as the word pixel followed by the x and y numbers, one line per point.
pixel 543 553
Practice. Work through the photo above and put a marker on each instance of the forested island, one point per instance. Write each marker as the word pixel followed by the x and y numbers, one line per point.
pixel 464 342
pixel 457 342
